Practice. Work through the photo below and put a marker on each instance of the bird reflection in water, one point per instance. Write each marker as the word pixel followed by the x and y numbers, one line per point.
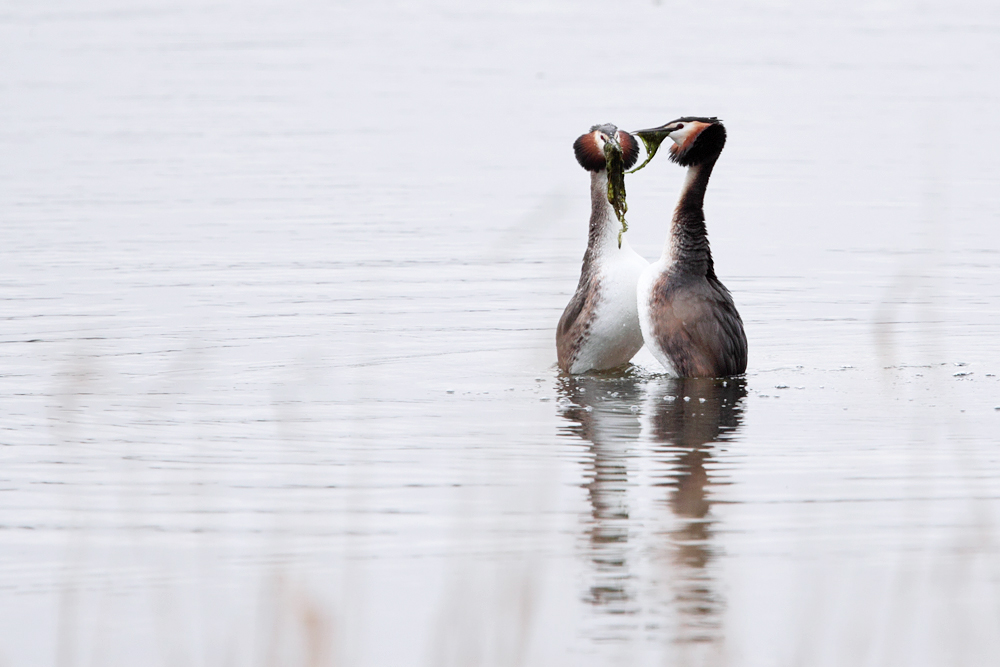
pixel 684 419
pixel 689 417
pixel 603 411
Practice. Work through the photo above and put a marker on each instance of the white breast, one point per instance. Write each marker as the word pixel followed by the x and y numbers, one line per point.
pixel 644 295
pixel 613 336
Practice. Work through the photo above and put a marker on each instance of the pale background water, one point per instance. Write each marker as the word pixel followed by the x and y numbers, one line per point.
pixel 279 286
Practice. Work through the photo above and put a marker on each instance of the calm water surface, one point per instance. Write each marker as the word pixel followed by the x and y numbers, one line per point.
pixel 277 373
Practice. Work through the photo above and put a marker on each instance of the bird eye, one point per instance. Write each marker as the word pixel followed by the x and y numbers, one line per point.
pixel 681 126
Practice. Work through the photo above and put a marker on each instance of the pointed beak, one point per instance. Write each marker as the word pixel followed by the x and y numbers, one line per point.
pixel 612 145
pixel 660 132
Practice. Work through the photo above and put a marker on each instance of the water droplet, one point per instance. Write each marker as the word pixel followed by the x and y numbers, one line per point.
pixel 687 398
pixel 545 398
pixel 701 400
pixel 781 386
pixel 634 409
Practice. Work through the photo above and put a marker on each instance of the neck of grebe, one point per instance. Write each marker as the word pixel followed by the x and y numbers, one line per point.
pixel 604 225
pixel 687 245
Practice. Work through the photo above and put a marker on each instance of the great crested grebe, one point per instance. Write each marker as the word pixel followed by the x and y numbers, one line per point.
pixel 688 318
pixel 600 327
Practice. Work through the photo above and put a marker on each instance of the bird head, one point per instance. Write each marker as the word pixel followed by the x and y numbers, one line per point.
pixel 696 140
pixel 592 148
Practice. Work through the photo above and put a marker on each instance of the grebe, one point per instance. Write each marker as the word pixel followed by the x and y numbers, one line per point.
pixel 688 318
pixel 600 327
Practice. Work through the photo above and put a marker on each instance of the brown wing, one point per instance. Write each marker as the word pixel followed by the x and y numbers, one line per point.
pixel 575 321
pixel 696 324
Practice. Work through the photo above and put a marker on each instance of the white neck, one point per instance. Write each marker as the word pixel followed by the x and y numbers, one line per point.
pixel 604 225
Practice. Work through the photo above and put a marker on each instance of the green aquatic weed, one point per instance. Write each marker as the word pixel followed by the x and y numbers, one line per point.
pixel 652 143
pixel 616 185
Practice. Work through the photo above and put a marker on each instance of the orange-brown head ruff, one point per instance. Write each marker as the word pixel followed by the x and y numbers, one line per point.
pixel 589 148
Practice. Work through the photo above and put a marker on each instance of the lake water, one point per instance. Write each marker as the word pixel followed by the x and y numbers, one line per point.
pixel 279 286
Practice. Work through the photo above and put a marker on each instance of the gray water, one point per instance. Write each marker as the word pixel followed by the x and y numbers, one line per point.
pixel 279 285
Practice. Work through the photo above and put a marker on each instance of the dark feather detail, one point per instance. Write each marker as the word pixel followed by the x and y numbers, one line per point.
pixel 695 119
pixel 630 148
pixel 574 325
pixel 570 313
pixel 588 154
pixel 682 119
pixel 696 325
pixel 703 148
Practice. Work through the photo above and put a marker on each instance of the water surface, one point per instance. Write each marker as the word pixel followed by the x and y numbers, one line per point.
pixel 277 363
